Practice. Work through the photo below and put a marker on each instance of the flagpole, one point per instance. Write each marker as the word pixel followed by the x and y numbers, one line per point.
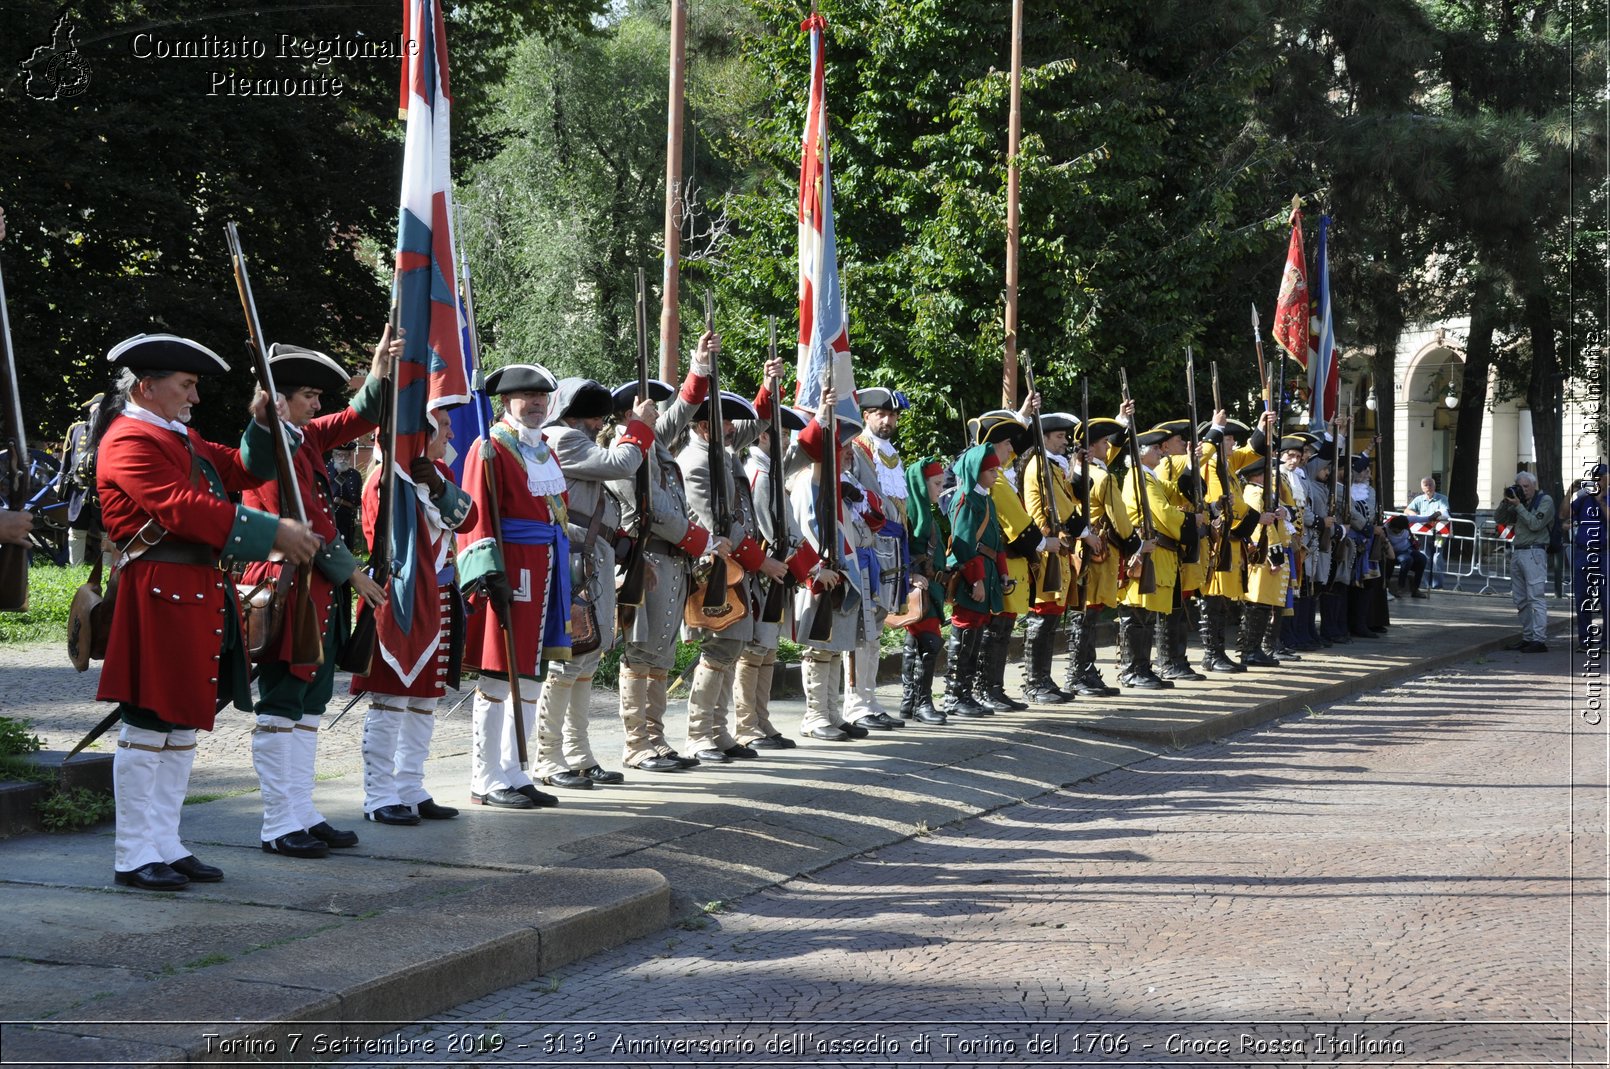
pixel 1013 135
pixel 670 320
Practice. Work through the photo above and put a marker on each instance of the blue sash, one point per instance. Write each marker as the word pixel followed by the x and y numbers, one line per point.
pixel 556 623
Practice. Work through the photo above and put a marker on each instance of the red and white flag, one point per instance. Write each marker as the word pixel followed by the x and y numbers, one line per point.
pixel 1290 327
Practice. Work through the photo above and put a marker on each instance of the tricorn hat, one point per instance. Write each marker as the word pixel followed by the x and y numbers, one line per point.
pixel 1101 427
pixel 792 419
pixel 1256 467
pixel 882 397
pixel 1059 421
pixel 295 367
pixel 1163 432
pixel 625 395
pixel 1292 441
pixel 733 406
pixel 999 425
pixel 513 378
pixel 166 352
pixel 1361 462
pixel 1232 427
pixel 579 398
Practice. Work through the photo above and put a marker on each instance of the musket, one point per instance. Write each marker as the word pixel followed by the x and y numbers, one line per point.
pixel 13 558
pixel 307 644
pixel 1221 464
pixel 715 601
pixel 1051 577
pixel 772 611
pixel 634 570
pixel 1083 487
pixel 382 549
pixel 1140 566
pixel 1199 485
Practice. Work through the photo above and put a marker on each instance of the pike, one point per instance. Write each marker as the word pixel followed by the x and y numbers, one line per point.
pixel 13 559
pixel 1221 548
pixel 307 645
pixel 1140 566
pixel 1199 484
pixel 772 611
pixel 1084 486
pixel 360 654
pixel 634 570
pixel 1051 577
pixel 827 517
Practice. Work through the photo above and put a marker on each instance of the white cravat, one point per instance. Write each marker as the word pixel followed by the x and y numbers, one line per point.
pixel 543 477
pixel 147 416
pixel 891 478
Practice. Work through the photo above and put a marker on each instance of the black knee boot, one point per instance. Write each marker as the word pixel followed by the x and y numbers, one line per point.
pixel 1135 636
pixel 1039 638
pixel 990 689
pixel 961 665
pixel 1176 661
pixel 1083 676
pixel 910 671
pixel 922 708
pixel 1213 658
pixel 1256 621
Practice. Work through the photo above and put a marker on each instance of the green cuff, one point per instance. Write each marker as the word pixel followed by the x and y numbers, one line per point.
pixel 252 536
pixel 454 505
pixel 335 562
pixel 479 559
pixel 257 450
pixel 369 402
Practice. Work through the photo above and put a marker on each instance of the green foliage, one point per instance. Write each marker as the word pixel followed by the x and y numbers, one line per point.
pixel 16 743
pixel 50 596
pixel 80 807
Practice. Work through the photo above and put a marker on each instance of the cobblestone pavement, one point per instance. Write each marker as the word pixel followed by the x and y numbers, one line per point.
pixel 1411 877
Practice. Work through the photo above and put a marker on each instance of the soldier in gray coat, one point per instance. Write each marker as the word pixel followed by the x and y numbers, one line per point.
pixel 673 540
pixel 564 757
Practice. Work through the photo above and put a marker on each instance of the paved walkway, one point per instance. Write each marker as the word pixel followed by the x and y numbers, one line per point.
pixel 416 920
pixel 1409 877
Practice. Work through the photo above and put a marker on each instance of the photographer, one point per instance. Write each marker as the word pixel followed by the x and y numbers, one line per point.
pixel 1530 513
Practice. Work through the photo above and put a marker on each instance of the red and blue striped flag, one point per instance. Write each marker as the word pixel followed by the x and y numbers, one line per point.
pixel 824 332
pixel 431 375
pixel 1324 371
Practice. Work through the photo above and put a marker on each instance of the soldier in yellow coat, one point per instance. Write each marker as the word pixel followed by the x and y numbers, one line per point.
pixel 1267 575
pixel 1048 496
pixel 1179 469
pixel 1150 500
pixel 1232 524
pixel 1109 539
pixel 1008 432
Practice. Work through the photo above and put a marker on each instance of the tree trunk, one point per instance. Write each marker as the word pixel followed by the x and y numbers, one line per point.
pixel 1543 393
pixel 1463 487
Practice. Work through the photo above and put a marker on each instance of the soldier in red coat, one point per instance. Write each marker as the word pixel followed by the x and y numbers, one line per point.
pixel 176 648
pixel 518 554
pixel 292 694
pixel 402 705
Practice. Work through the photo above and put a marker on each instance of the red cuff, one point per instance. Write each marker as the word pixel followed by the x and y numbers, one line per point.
pixel 749 554
pixel 801 561
pixel 973 570
pixel 694 388
pixel 639 434
pixel 1000 565
pixel 763 402
pixel 810 440
pixel 695 542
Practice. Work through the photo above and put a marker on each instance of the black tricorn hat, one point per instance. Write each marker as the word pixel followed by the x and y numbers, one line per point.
pixel 881 397
pixel 1292 441
pixel 579 398
pixel 166 352
pixel 1101 427
pixel 513 378
pixel 1163 432
pixel 999 425
pixel 625 395
pixel 793 419
pixel 1232 426
pixel 732 407
pixel 1059 421
pixel 1256 467
pixel 295 367
pixel 1361 462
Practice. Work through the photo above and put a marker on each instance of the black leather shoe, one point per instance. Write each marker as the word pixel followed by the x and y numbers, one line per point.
pixel 854 731
pixel 873 723
pixel 1534 647
pixel 154 877
pixel 889 721
pixel 1140 681
pixel 827 734
pixel 1286 653
pixel 1180 671
pixel 783 743
pixel 577 781
pixel 714 757
pixel 297 844
pixel 1045 696
pixel 429 809
pixel 740 750
pixel 599 774
pixel 393 814
pixel 1260 659
pixel 683 762
pixel 1216 663
pixel 540 799
pixel 334 838
pixel 659 764
pixel 929 715
pixel 969 711
pixel 768 742
pixel 1516 644
pixel 195 870
pixel 503 798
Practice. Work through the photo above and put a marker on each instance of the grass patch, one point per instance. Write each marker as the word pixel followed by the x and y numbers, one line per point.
pixel 50 595
pixel 69 810
pixel 16 743
pixel 61 809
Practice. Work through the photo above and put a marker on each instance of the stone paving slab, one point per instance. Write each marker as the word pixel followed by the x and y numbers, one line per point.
pixel 469 905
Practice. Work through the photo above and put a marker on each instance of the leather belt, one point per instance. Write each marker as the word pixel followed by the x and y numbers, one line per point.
pixel 1165 542
pixel 661 547
pixel 171 551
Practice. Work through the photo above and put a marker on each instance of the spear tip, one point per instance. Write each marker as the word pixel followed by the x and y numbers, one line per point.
pixel 1255 321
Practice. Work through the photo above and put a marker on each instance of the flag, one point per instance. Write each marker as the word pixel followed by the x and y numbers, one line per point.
pixel 1324 373
pixel 432 373
pixel 470 421
pixel 1290 328
pixel 824 335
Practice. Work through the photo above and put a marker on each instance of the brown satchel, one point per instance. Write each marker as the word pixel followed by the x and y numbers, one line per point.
pixel 89 620
pixel 263 609
pixel 585 636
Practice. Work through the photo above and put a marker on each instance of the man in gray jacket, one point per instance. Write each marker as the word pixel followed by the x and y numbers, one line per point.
pixel 564 756
pixel 1530 513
